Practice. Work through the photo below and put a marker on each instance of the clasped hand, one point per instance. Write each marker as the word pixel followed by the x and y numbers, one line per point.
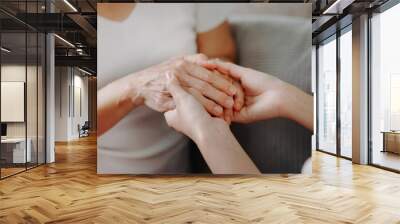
pixel 257 96
pixel 219 94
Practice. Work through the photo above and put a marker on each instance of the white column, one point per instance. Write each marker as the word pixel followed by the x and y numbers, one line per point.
pixel 360 90
pixel 50 98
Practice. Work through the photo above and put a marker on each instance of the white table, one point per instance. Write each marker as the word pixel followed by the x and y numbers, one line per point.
pixel 19 155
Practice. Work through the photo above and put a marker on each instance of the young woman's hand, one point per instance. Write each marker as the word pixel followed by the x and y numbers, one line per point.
pixel 266 97
pixel 189 116
pixel 212 135
pixel 263 92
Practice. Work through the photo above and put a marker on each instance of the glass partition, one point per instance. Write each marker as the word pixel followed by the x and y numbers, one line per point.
pixel 327 96
pixel 385 89
pixel 22 89
pixel 15 151
pixel 346 93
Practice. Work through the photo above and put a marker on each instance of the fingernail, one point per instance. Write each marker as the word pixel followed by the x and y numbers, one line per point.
pixel 232 90
pixel 227 118
pixel 229 103
pixel 218 109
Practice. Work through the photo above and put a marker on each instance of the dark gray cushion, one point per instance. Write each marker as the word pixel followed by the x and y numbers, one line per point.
pixel 276 39
pixel 280 46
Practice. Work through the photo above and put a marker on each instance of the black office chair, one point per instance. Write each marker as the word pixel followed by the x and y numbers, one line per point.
pixel 84 130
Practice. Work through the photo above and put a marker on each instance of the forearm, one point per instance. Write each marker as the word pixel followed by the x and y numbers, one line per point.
pixel 223 153
pixel 116 100
pixel 298 106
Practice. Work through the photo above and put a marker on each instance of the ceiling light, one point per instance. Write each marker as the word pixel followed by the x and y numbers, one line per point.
pixel 70 5
pixel 79 51
pixel 84 71
pixel 65 41
pixel 338 6
pixel 5 50
pixel 328 10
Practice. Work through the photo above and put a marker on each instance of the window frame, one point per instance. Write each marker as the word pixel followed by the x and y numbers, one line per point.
pixel 334 37
pixel 371 13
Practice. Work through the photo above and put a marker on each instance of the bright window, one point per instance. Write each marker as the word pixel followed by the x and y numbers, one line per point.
pixel 346 94
pixel 385 86
pixel 327 96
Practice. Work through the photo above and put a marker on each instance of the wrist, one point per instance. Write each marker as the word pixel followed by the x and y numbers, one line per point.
pixel 207 131
pixel 134 89
pixel 285 93
pixel 291 98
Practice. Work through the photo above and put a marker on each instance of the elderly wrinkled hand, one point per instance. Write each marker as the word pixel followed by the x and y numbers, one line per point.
pixel 218 93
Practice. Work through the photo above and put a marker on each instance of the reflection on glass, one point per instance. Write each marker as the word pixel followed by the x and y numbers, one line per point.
pixel 327 97
pixel 22 91
pixel 386 89
pixel 15 151
pixel 346 94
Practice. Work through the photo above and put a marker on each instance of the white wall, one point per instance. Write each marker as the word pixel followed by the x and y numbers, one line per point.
pixel 33 126
pixel 12 73
pixel 68 82
pixel 80 83
pixel 62 80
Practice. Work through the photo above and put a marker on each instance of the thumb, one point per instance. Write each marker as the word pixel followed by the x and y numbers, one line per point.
pixel 175 88
pixel 170 117
pixel 226 68
pixel 230 68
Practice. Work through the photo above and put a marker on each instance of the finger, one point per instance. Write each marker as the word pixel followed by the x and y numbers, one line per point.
pixel 207 90
pixel 228 114
pixel 209 105
pixel 170 117
pixel 228 68
pixel 212 65
pixel 214 78
pixel 224 76
pixel 240 116
pixel 238 97
pixel 196 58
pixel 175 89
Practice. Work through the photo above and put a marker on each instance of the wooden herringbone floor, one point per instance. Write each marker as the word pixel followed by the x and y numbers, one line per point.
pixel 69 191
